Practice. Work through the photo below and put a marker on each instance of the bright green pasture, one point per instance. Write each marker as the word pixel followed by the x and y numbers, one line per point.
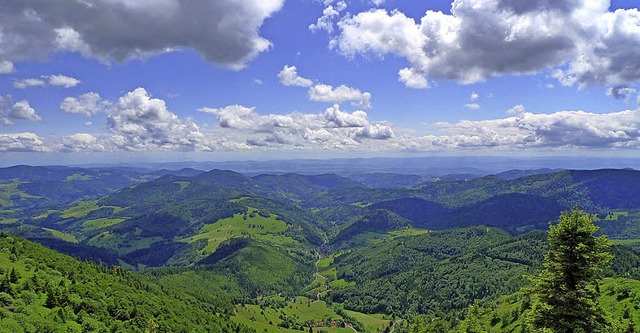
pixel 268 229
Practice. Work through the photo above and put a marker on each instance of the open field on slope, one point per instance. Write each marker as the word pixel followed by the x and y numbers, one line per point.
pixel 301 310
pixel 83 208
pixel 100 223
pixel 270 229
pixel 61 235
pixel 10 192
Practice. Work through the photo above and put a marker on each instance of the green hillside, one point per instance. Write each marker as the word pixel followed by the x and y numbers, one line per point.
pixel 43 291
pixel 438 272
pixel 619 298
pixel 240 270
pixel 262 248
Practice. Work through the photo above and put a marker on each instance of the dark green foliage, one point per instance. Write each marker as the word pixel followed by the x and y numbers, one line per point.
pixel 437 274
pixel 303 225
pixel 618 298
pixel 566 290
pixel 515 174
pixel 472 322
pixel 423 213
pixel 184 172
pixel 156 255
pixel 376 221
pixel 248 267
pixel 592 189
pixel 338 216
pixel 611 188
pixel 102 256
pixel 164 192
pixel 50 186
pixel 181 219
pixel 508 211
pixel 626 262
pixel 225 250
pixel 263 269
pixel 55 293
pixel 503 210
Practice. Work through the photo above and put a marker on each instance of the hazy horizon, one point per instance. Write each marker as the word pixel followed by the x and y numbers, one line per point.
pixel 429 166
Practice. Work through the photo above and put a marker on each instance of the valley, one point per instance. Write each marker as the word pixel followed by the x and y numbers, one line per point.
pixel 289 252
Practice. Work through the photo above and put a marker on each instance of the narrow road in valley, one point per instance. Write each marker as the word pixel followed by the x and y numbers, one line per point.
pixel 320 276
pixel 317 276
pixel 317 270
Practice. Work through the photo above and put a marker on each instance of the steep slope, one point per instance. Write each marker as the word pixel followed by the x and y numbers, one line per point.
pixel 436 272
pixel 177 220
pixel 29 191
pixel 618 299
pixel 421 212
pixel 376 221
pixel 591 189
pixel 510 211
pixel 530 201
pixel 165 221
pixel 244 267
pixel 43 291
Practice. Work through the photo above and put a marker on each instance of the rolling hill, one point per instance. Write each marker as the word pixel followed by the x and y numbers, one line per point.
pixel 431 248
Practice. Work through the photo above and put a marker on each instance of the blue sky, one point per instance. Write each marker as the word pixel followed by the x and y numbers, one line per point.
pixel 119 80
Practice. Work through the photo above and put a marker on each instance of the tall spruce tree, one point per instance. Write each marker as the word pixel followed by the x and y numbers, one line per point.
pixel 565 291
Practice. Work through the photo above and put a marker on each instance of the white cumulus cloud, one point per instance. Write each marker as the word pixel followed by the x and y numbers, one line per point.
pixel 320 92
pixel 560 130
pixel 81 142
pixel 581 40
pixel 288 76
pixel 21 142
pixel 138 122
pixel 620 92
pixel 28 83
pixel 333 128
pixel 21 110
pixel 329 14
pixel 336 117
pixel 59 80
pixel 85 104
pixel 342 93
pixel 412 78
pixel 234 116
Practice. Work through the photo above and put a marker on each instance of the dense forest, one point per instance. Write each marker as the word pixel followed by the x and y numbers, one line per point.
pixel 190 250
pixel 43 291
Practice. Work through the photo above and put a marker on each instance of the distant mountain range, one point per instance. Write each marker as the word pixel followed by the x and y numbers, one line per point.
pixel 431 166
pixel 380 235
pixel 134 214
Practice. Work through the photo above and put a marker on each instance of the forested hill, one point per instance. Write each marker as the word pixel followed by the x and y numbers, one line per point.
pixel 180 217
pixel 346 247
pixel 43 291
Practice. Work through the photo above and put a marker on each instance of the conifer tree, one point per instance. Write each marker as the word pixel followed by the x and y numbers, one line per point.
pixel 13 276
pixel 5 286
pixel 472 322
pixel 565 291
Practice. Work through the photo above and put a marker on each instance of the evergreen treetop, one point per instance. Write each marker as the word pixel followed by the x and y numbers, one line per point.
pixel 566 290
